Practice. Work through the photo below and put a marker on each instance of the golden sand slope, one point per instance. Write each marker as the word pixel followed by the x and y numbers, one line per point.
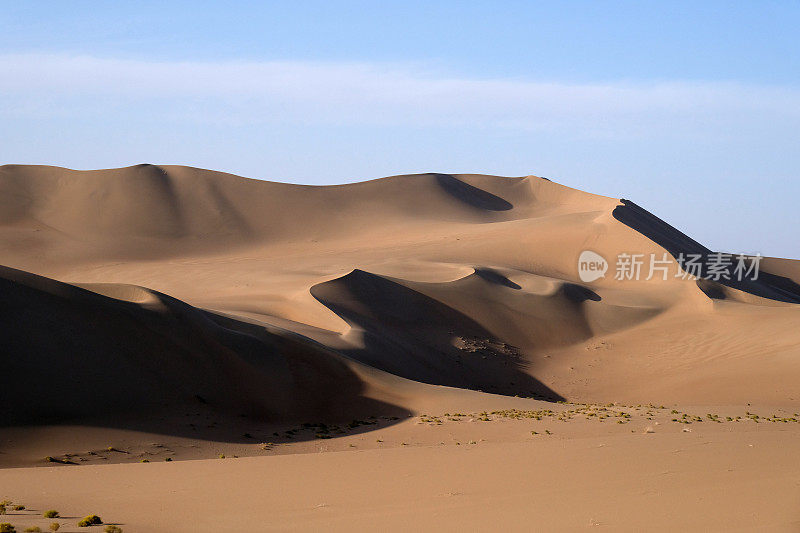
pixel 467 280
pixel 190 293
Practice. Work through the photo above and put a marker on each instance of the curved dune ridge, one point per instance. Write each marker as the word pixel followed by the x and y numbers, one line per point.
pixel 158 211
pixel 186 287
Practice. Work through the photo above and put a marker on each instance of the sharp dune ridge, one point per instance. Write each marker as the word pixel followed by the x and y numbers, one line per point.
pixel 168 302
pixel 180 205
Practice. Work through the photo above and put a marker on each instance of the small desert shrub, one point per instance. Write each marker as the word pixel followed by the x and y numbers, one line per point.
pixel 5 527
pixel 52 513
pixel 91 520
pixel 2 509
pixel 33 529
pixel 55 526
pixel 113 529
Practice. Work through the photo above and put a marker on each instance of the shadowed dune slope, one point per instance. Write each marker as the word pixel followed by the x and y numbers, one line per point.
pixel 472 332
pixel 768 285
pixel 74 354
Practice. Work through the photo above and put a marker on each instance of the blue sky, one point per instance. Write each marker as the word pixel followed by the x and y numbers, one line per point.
pixel 691 109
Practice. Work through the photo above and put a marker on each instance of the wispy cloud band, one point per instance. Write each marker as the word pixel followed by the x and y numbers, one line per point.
pixel 384 94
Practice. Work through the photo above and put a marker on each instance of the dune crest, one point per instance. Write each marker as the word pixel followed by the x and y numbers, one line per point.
pixel 258 293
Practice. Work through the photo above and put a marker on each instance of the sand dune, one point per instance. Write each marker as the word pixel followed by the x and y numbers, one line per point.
pixel 466 280
pixel 95 352
pixel 134 298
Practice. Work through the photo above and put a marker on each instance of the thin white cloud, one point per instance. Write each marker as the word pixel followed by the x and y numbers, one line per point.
pixel 352 93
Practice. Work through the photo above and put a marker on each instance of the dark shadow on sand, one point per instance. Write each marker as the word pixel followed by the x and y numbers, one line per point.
pixel 495 277
pixel 409 334
pixel 470 195
pixel 72 356
pixel 767 285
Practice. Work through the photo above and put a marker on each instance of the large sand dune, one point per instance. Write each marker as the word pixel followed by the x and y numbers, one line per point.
pixel 136 299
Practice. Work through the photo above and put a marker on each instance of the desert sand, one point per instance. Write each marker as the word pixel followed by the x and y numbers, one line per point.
pixel 189 350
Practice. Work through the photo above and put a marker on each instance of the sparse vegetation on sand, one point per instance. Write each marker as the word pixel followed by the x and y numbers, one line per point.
pixel 51 459
pixel 91 520
pixel 87 521
pixel 622 414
